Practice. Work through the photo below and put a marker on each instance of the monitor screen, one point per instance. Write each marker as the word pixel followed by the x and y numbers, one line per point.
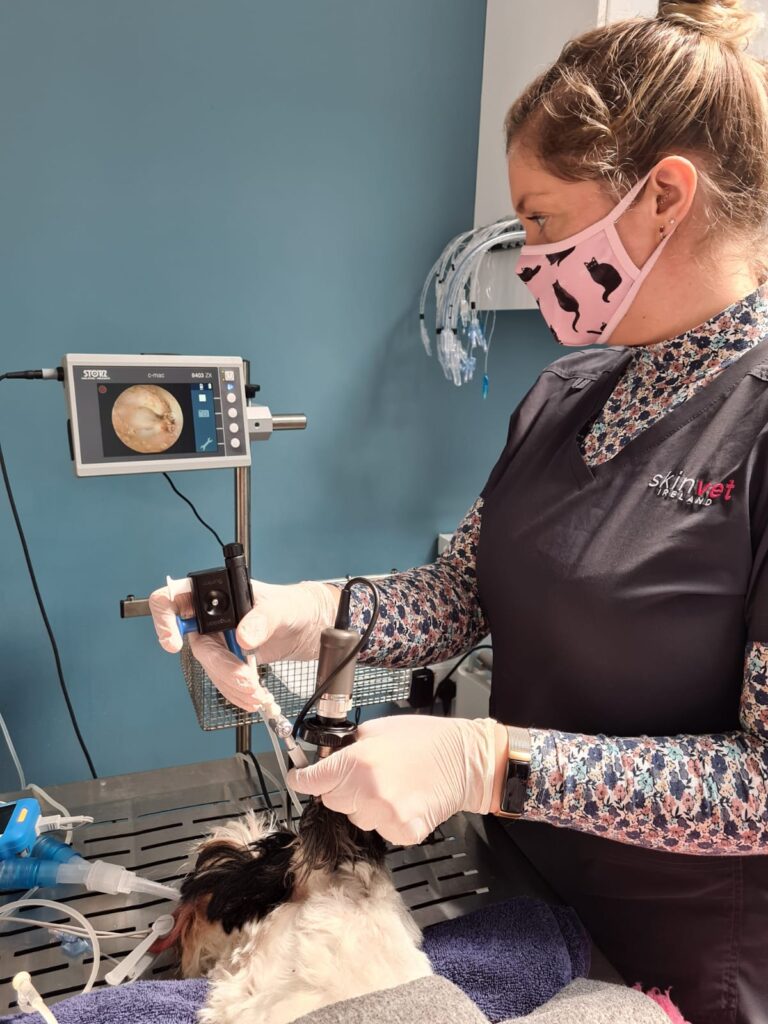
pixel 138 414
pixel 6 813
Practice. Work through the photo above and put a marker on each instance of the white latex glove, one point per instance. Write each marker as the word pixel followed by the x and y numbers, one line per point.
pixel 284 624
pixel 408 773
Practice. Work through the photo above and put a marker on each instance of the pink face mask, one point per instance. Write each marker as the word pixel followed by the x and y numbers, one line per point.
pixel 585 284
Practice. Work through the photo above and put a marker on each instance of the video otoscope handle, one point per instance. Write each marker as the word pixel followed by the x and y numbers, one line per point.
pixel 239 579
pixel 239 587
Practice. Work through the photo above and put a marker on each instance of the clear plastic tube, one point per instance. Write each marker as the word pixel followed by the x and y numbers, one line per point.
pixel 68 929
pixel 12 752
pixel 438 271
pixel 473 239
pixel 6 909
pixel 99 876
pixel 281 765
pixel 40 793
pixel 456 277
pixel 463 268
pixel 29 999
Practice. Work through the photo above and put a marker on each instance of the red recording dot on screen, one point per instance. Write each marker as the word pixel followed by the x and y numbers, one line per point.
pixel 102 389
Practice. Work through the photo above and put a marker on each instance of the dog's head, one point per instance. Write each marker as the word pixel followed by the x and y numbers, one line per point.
pixel 249 867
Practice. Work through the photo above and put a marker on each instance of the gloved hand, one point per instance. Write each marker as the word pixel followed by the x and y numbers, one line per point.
pixel 406 774
pixel 285 623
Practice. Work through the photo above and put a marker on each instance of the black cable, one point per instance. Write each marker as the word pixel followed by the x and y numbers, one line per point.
pixel 183 497
pixel 262 780
pixel 43 612
pixel 57 374
pixel 324 686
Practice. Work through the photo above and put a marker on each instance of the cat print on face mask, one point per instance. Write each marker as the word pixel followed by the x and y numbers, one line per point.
pixel 528 273
pixel 605 275
pixel 558 257
pixel 567 302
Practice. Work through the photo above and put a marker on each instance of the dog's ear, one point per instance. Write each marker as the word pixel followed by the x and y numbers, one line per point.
pixel 242 883
pixel 328 839
pixel 183 923
pixel 199 942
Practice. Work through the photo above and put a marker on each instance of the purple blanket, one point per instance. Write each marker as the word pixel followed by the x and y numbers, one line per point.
pixel 512 957
pixel 509 959
pixel 144 1002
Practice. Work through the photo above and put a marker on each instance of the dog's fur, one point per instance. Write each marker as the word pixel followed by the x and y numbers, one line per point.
pixel 283 923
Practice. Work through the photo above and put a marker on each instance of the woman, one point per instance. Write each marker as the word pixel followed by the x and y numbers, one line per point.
pixel 618 551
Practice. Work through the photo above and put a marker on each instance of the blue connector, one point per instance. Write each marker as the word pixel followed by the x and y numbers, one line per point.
pixel 190 626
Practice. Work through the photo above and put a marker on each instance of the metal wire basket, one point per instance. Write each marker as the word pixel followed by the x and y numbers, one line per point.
pixel 291 683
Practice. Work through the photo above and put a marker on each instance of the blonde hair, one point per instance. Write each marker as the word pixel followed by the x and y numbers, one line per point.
pixel 620 98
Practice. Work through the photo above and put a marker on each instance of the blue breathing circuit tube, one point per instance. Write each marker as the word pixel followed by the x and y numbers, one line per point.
pixel 30 858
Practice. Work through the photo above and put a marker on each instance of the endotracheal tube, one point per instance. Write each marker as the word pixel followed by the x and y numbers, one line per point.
pixel 460 335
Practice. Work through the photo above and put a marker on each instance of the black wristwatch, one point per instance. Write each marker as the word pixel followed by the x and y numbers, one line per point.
pixel 518 769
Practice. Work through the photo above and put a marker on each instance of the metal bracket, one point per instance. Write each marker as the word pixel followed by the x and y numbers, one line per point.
pixel 134 607
pixel 262 423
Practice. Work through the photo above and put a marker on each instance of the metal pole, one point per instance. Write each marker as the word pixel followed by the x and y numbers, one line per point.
pixel 243 536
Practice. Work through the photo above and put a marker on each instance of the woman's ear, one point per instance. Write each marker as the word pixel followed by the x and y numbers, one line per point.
pixel 671 190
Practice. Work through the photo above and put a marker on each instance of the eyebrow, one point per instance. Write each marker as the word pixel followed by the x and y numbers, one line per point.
pixel 520 207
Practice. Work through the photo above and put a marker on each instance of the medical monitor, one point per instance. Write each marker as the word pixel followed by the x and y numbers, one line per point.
pixel 153 414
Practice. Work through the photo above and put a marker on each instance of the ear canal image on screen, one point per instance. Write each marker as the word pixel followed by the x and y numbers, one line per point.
pixel 147 418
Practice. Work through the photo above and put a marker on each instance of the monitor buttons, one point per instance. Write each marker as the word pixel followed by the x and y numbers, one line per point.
pixel 232 413
pixel 235 442
pixel 231 397
pixel 234 428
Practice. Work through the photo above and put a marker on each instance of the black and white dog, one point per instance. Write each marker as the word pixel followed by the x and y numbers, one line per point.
pixel 283 923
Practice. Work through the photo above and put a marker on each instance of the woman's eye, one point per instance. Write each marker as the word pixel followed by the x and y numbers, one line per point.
pixel 538 221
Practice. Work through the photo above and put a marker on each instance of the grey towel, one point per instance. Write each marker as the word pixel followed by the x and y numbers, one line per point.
pixel 425 1001
pixel 433 1000
pixel 597 1002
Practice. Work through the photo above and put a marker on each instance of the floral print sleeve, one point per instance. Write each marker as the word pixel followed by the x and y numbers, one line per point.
pixel 690 794
pixel 427 614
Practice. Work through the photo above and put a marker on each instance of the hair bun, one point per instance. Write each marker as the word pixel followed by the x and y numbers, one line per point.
pixel 725 20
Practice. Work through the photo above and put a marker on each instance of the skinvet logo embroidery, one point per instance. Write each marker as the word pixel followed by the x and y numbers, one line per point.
pixel 684 488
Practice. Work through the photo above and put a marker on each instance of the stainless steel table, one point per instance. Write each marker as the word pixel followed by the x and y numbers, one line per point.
pixel 147 821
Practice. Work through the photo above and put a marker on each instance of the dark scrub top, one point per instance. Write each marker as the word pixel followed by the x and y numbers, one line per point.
pixel 620 599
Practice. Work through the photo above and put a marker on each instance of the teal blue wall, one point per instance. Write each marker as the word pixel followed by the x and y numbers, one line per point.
pixel 269 179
